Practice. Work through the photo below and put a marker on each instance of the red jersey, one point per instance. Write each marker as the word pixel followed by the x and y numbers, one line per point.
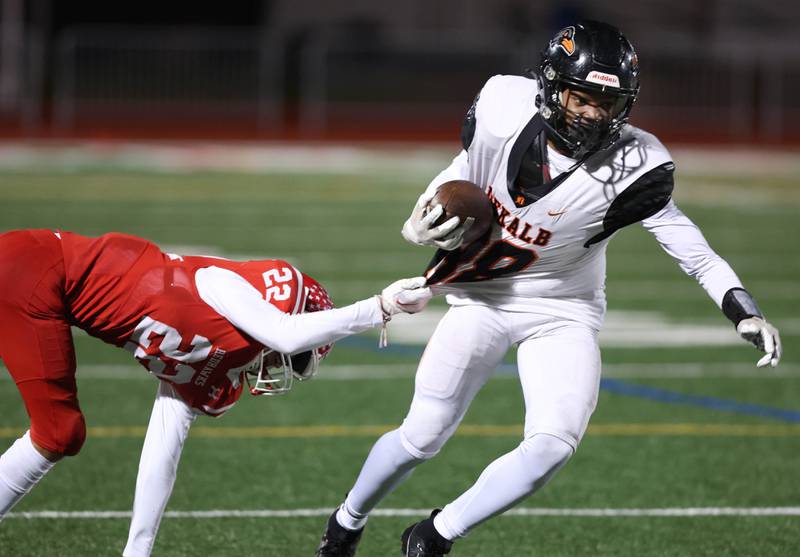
pixel 125 291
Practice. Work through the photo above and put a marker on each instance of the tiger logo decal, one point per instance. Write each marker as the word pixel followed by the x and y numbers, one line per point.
pixel 565 40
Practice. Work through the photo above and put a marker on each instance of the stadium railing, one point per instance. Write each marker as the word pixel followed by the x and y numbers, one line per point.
pixel 188 82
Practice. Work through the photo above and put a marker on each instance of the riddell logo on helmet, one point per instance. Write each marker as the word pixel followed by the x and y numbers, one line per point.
pixel 565 40
pixel 603 78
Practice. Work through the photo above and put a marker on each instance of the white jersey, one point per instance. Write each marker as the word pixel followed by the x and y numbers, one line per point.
pixel 548 255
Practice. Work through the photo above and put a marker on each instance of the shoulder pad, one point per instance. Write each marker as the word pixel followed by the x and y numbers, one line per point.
pixel 505 103
pixel 656 153
pixel 646 196
pixel 635 153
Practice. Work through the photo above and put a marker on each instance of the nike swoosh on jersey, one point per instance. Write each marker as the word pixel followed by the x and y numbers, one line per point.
pixel 552 213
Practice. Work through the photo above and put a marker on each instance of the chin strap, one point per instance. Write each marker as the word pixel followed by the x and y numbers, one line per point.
pixel 383 340
pixel 738 304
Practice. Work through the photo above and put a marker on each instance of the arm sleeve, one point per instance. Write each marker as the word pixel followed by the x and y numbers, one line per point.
pixel 682 239
pixel 458 170
pixel 230 295
pixel 169 425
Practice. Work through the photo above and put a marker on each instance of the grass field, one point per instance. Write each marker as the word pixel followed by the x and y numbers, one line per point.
pixel 691 452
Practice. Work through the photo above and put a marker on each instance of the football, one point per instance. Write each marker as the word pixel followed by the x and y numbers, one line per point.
pixel 460 198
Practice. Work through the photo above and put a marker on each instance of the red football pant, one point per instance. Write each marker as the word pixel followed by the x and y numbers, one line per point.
pixel 35 338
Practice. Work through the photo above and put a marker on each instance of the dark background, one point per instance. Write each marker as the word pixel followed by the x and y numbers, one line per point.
pixel 720 71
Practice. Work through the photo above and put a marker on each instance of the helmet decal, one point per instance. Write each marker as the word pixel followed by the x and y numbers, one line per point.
pixel 317 298
pixel 601 78
pixel 565 40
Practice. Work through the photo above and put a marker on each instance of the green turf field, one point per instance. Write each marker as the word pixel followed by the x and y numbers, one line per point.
pixel 679 426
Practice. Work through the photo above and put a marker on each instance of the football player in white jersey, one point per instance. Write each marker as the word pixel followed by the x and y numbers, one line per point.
pixel 555 154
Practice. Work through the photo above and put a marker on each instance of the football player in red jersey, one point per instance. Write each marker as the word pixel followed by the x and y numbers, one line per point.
pixel 201 325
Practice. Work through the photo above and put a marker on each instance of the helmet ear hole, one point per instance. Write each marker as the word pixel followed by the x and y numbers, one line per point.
pixel 301 363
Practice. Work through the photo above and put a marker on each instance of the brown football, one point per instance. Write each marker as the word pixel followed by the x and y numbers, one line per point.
pixel 460 198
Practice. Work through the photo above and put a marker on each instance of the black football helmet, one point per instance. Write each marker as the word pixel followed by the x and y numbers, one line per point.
pixel 594 57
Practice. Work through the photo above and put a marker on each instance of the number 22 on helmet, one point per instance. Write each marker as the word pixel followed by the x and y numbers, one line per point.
pixel 293 292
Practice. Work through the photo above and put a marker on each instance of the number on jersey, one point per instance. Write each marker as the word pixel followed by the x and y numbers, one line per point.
pixel 158 347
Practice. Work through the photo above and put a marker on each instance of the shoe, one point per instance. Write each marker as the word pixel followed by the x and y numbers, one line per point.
pixel 422 540
pixel 338 541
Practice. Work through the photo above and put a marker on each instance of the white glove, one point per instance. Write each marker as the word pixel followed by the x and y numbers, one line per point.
pixel 764 336
pixel 405 295
pixel 419 229
pixel 456 237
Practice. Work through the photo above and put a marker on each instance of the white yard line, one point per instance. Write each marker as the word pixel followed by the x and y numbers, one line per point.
pixel 393 371
pixel 256 158
pixel 337 157
pixel 466 430
pixel 622 329
pixel 295 513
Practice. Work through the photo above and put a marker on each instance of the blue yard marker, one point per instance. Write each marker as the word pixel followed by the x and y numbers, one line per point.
pixel 619 387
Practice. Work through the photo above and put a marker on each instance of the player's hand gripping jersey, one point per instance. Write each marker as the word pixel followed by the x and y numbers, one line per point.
pixel 556 214
pixel 125 291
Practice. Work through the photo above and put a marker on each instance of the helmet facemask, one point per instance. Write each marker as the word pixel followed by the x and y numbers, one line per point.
pixel 572 133
pixel 275 372
pixel 269 379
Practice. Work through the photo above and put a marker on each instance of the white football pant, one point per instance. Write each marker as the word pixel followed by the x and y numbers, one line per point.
pixel 559 369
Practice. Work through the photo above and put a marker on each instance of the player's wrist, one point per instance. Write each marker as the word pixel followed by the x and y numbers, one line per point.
pixel 738 305
pixel 386 313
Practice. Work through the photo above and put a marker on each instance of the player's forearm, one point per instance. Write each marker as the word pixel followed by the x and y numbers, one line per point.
pixel 681 238
pixel 166 432
pixel 235 299
pixel 715 276
pixel 296 333
pixel 458 170
pixel 683 241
